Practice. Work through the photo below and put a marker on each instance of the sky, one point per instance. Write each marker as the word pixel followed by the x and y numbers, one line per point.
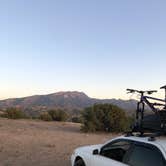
pixel 100 47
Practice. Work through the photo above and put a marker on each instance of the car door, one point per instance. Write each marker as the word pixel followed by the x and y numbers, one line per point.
pixel 112 154
pixel 143 154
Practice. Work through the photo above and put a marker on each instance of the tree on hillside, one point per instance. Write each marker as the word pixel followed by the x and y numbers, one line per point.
pixel 14 113
pixel 58 115
pixel 104 117
pixel 45 116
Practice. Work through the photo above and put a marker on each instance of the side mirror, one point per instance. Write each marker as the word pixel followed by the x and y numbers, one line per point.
pixel 95 152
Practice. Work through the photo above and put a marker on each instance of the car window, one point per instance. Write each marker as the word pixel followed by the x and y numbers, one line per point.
pixel 145 156
pixel 116 150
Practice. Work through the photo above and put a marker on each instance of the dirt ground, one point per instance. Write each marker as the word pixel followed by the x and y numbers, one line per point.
pixel 38 143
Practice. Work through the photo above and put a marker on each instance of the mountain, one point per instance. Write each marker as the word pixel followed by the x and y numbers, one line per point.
pixel 66 100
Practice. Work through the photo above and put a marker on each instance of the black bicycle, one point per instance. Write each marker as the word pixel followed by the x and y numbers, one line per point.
pixel 154 121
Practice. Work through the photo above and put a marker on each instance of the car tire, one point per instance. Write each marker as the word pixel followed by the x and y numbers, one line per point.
pixel 79 162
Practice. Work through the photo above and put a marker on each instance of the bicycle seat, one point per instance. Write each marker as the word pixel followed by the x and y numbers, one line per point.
pixel 163 87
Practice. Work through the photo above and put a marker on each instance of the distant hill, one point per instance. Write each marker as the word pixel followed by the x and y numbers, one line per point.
pixel 66 100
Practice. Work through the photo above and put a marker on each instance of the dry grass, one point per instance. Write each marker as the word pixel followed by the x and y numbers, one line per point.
pixel 38 143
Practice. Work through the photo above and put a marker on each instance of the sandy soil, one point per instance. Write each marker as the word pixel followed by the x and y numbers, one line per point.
pixel 37 143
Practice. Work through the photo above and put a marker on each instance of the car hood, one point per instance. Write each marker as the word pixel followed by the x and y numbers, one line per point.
pixel 88 148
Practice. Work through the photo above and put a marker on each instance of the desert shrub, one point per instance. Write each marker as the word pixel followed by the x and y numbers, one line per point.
pixel 58 115
pixel 1 113
pixel 14 113
pixel 77 119
pixel 104 117
pixel 45 116
pixel 130 122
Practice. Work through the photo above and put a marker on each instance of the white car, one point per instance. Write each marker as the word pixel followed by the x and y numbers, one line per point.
pixel 123 151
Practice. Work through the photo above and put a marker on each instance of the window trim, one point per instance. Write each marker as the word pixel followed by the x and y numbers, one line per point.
pixel 115 141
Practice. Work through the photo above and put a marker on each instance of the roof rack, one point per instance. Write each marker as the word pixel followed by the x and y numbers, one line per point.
pixel 153 122
pixel 151 136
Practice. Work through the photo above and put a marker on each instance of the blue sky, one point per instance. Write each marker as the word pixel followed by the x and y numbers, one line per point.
pixel 99 47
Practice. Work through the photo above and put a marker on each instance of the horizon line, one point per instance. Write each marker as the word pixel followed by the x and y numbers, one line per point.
pixel 68 91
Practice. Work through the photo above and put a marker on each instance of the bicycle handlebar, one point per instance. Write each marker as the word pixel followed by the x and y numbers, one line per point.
pixel 142 92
